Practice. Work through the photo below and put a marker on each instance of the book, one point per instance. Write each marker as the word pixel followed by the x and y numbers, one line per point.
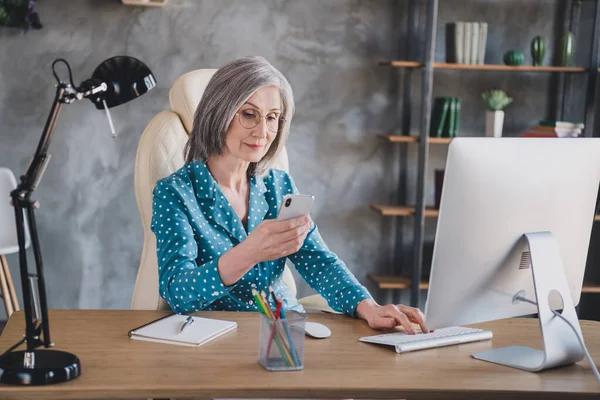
pixel 483 28
pixel 449 130
pixel 168 330
pixel 467 42
pixel 558 130
pixel 454 42
pixel 439 114
pixel 549 134
pixel 456 117
pixel 474 42
pixel 459 41
pixel 562 124
pixel 537 134
pixel 451 42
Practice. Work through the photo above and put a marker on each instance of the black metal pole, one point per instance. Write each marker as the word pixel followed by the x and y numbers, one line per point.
pixel 590 99
pixel 574 20
pixel 406 74
pixel 29 323
pixel 40 274
pixel 38 163
pixel 419 221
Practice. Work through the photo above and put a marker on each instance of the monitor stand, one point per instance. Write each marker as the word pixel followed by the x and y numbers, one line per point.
pixel 561 346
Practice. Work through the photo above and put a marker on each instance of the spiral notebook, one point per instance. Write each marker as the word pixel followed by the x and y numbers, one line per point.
pixel 168 330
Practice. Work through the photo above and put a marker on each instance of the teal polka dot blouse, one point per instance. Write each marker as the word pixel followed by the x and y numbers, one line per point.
pixel 194 225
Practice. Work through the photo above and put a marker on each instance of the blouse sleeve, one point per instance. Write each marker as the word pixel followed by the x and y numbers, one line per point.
pixel 185 285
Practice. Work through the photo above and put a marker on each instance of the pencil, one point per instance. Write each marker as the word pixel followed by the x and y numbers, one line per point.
pixel 273 330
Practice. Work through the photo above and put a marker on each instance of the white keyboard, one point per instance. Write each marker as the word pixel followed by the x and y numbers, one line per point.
pixel 440 337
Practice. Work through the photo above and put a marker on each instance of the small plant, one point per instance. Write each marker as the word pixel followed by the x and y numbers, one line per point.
pixel 496 100
pixel 20 14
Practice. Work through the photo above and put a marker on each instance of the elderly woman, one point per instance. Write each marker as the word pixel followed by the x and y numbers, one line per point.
pixel 214 219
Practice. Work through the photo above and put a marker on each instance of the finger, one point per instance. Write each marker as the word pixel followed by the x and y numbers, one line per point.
pixel 283 226
pixel 382 322
pixel 292 246
pixel 400 317
pixel 292 234
pixel 415 315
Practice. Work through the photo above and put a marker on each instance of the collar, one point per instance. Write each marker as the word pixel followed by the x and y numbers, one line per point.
pixel 217 208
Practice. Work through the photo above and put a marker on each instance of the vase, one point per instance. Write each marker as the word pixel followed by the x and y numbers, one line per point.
pixel 493 123
pixel 514 57
pixel 566 49
pixel 538 50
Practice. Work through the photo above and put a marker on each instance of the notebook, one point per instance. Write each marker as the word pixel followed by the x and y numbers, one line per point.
pixel 167 330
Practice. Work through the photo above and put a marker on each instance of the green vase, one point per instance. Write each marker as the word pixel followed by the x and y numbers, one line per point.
pixel 538 50
pixel 514 57
pixel 566 49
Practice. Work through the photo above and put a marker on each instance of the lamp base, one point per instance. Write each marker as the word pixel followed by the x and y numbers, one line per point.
pixel 51 366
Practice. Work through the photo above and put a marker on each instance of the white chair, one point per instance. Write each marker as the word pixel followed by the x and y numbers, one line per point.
pixel 160 153
pixel 8 239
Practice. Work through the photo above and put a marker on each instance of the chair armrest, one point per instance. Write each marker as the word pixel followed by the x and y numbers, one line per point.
pixel 316 302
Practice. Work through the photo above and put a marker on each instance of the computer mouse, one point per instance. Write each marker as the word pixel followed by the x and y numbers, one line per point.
pixel 316 330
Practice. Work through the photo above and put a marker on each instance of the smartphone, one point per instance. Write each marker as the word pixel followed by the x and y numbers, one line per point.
pixel 295 205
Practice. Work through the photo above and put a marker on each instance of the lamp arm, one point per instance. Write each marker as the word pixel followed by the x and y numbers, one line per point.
pixel 21 199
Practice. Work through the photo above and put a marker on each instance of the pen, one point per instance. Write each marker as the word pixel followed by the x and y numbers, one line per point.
pixel 188 321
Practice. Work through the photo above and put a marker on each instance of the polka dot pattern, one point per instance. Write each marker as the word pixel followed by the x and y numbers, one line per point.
pixel 194 225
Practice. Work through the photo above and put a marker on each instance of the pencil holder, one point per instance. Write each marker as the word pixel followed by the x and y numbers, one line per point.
pixel 281 342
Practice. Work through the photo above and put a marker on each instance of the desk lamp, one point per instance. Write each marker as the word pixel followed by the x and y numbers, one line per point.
pixel 115 81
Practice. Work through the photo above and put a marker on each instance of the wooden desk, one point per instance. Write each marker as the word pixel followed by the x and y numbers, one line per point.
pixel 114 366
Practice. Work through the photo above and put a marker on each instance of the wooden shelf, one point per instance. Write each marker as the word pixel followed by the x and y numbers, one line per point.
pixel 402 211
pixel 394 282
pixel 485 67
pixel 145 3
pixel 408 211
pixel 403 282
pixel 402 64
pixel 589 287
pixel 414 139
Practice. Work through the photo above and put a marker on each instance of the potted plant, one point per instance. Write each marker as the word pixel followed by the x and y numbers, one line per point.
pixel 20 14
pixel 495 100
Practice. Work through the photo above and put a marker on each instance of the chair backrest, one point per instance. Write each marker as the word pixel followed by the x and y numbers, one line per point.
pixel 160 153
pixel 8 233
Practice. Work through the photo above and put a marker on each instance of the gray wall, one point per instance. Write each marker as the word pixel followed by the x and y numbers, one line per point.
pixel 89 223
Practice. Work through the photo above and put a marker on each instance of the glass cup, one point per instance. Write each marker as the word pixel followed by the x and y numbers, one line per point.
pixel 281 342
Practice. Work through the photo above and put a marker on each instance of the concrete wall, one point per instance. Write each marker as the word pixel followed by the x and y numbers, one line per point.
pixel 89 224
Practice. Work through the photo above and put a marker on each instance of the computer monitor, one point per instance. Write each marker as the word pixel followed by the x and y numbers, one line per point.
pixel 495 190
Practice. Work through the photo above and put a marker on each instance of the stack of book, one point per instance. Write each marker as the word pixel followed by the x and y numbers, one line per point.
pixel 560 129
pixel 466 42
pixel 445 117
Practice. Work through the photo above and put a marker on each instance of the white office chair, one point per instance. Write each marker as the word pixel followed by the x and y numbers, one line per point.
pixel 8 240
pixel 160 153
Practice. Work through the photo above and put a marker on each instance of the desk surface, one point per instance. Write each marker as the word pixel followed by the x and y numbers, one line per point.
pixel 115 366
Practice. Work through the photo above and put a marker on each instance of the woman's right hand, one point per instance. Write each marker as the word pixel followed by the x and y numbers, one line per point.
pixel 272 240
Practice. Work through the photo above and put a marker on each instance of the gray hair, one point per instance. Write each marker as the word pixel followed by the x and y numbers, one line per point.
pixel 228 89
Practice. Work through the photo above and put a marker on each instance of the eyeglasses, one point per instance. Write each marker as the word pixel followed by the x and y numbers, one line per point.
pixel 250 118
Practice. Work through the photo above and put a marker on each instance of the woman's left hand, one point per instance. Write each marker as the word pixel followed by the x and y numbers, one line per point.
pixel 391 315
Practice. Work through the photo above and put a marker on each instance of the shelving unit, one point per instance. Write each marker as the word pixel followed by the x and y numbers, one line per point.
pixel 406 137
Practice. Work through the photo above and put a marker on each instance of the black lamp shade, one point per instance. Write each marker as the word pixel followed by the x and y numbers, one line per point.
pixel 126 77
